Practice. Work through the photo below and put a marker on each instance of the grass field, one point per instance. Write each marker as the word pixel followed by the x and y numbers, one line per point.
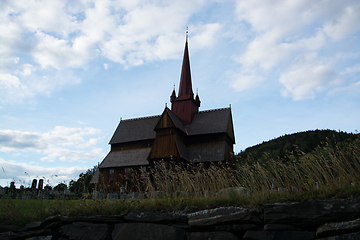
pixel 328 172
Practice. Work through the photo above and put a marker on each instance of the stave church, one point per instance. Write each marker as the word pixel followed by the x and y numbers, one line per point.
pixel 180 134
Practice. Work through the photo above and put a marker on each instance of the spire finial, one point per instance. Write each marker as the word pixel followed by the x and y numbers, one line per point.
pixel 197 91
pixel 187 33
pixel 174 86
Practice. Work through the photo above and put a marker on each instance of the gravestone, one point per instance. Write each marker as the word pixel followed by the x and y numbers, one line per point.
pixel 33 185
pixel 41 184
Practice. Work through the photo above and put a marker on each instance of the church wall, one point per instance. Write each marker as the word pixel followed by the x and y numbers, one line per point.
pixel 164 146
pixel 128 177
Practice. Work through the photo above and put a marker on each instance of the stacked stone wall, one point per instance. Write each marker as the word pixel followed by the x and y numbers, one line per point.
pixel 321 219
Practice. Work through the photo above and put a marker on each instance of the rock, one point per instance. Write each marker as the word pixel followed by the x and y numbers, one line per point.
pixel 40 238
pixel 86 231
pixel 294 235
pixel 223 215
pixel 55 218
pixel 237 227
pixel 337 228
pixel 150 231
pixel 211 236
pixel 99 219
pixel 281 235
pixel 259 235
pixel 55 222
pixel 348 236
pixel 156 217
pixel 33 226
pixel 26 234
pixel 8 235
pixel 10 228
pixel 312 214
pixel 280 227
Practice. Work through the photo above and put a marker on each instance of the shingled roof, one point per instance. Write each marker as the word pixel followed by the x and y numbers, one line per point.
pixel 211 121
pixel 204 122
pixel 126 158
pixel 135 130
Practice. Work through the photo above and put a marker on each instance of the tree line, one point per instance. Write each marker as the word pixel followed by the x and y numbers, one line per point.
pixel 295 144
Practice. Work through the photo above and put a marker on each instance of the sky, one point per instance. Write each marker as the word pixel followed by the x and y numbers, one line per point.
pixel 70 70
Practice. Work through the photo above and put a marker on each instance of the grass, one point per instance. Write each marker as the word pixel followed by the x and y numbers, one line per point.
pixel 328 172
pixel 20 212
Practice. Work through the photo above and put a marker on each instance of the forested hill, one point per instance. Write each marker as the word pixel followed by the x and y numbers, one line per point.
pixel 294 144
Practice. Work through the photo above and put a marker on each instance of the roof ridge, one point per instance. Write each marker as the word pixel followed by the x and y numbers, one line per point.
pixel 140 118
pixel 213 110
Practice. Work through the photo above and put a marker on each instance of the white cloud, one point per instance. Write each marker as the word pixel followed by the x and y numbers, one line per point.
pixel 245 80
pixel 206 34
pixel 57 35
pixel 61 143
pixel 283 32
pixel 26 70
pixel 345 24
pixel 23 173
pixel 11 88
pixel 306 77
pixel 353 69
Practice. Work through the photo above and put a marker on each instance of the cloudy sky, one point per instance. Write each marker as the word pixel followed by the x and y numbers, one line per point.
pixel 69 70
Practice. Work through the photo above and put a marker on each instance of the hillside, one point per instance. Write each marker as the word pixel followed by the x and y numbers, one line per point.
pixel 295 144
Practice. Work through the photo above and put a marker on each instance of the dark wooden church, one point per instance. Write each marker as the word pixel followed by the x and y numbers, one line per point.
pixel 181 134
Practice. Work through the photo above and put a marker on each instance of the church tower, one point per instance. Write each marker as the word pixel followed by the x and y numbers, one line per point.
pixel 185 106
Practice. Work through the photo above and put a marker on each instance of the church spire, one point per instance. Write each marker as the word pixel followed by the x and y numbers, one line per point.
pixel 184 105
pixel 185 88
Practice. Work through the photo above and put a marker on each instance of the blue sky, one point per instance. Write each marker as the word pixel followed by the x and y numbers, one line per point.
pixel 69 70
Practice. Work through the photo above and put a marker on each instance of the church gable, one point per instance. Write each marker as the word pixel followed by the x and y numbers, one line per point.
pixel 168 120
pixel 167 143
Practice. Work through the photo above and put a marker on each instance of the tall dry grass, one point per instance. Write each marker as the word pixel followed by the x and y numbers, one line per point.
pixel 326 167
pixel 193 180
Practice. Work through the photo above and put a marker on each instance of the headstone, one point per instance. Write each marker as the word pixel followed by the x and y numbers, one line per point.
pixel 12 186
pixel 41 184
pixel 112 196
pixel 33 185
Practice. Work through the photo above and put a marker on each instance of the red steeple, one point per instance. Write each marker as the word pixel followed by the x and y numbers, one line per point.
pixel 185 88
pixel 185 106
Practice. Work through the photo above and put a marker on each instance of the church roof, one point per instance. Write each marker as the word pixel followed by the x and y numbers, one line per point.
pixel 204 122
pixel 126 158
pixel 211 121
pixel 136 129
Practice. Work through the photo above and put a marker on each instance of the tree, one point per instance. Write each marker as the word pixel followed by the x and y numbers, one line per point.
pixel 83 183
pixel 60 187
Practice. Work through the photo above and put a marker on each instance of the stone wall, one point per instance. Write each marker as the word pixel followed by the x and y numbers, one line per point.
pixel 322 219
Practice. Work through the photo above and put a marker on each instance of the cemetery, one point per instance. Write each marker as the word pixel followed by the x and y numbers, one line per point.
pixel 36 191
